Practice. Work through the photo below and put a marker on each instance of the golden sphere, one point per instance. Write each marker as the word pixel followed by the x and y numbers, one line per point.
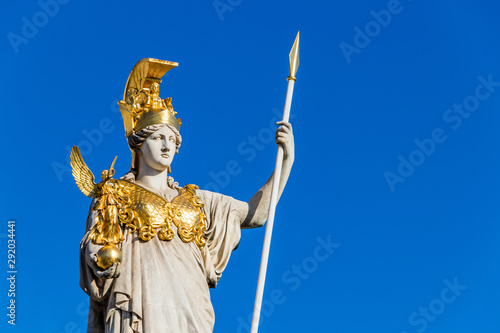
pixel 107 256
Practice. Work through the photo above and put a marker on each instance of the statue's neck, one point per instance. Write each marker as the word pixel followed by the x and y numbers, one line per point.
pixel 152 178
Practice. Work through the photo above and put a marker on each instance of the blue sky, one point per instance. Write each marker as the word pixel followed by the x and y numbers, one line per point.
pixel 390 219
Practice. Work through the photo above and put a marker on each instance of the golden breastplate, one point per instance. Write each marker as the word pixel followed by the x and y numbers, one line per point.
pixel 148 214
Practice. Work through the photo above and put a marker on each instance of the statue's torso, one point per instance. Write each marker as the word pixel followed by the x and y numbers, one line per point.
pixel 151 215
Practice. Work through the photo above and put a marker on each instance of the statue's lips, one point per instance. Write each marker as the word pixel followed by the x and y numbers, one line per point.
pixel 165 155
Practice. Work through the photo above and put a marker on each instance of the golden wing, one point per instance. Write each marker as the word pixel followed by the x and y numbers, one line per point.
pixel 83 176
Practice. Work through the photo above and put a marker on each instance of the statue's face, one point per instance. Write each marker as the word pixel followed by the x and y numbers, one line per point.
pixel 159 149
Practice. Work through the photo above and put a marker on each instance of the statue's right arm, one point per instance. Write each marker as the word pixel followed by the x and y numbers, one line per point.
pixel 254 212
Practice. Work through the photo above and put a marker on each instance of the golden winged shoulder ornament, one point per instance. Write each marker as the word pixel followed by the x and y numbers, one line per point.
pixel 110 199
pixel 85 178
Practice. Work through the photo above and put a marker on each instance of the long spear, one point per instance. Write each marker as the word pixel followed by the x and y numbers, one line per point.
pixel 294 65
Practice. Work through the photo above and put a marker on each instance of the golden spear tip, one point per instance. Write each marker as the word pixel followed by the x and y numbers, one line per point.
pixel 294 58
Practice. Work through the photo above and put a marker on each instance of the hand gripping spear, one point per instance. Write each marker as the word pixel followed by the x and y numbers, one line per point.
pixel 294 65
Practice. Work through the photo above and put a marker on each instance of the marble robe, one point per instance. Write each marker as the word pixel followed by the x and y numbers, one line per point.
pixel 163 286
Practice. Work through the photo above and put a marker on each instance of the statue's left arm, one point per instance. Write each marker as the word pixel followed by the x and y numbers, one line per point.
pixel 254 212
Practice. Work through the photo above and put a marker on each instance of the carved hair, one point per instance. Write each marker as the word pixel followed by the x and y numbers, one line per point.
pixel 136 140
